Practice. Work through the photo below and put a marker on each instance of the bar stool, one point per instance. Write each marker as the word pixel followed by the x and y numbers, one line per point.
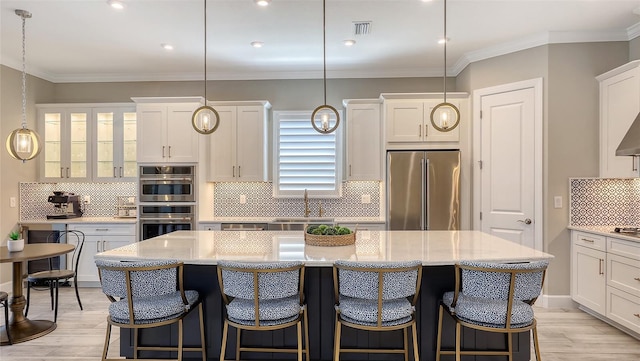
pixel 4 301
pixel 377 297
pixel 263 296
pixel 492 297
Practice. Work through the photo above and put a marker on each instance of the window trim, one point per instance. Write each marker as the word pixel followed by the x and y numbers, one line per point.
pixel 339 134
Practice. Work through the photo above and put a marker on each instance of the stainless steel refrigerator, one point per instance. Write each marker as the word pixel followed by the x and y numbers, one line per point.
pixel 423 190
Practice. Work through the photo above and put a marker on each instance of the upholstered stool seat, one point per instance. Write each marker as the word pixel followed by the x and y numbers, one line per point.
pixel 365 312
pixel 489 312
pixel 154 308
pixel 272 312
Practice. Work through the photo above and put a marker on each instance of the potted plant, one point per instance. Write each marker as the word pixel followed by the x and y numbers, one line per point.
pixel 15 243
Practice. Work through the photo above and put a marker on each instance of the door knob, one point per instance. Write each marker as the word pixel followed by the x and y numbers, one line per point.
pixel 526 221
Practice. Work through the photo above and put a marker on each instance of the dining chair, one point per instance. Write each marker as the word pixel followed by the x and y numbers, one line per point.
pixel 53 276
pixel 4 297
pixel 147 294
pixel 263 296
pixel 492 297
pixel 377 296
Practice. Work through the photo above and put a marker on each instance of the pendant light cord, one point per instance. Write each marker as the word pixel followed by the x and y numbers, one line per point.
pixel 445 52
pixel 205 52
pixel 24 76
pixel 324 50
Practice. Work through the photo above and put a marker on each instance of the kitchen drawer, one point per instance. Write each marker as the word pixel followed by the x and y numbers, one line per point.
pixel 623 247
pixel 105 229
pixel 623 273
pixel 589 240
pixel 623 308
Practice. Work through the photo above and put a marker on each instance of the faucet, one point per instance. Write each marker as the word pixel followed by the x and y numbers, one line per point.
pixel 307 211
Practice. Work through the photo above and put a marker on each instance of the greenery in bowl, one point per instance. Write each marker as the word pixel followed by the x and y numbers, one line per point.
pixel 323 229
pixel 14 235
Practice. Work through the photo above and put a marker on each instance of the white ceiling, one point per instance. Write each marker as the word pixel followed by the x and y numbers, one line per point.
pixel 86 40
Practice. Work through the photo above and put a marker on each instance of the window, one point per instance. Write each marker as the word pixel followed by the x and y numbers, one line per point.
pixel 304 158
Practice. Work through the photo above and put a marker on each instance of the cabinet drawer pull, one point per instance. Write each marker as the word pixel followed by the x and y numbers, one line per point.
pixel 419 130
pixel 233 171
pixel 169 151
pixel 426 130
pixel 114 172
pixel 239 172
pixel 67 172
pixel 601 270
pixel 588 240
pixel 102 229
pixel 163 151
pixel 61 173
pixel 121 173
pixel 350 170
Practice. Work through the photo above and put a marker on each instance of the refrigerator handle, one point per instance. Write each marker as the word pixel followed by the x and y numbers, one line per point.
pixel 428 191
pixel 422 191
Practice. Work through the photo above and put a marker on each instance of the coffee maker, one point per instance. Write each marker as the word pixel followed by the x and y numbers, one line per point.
pixel 66 205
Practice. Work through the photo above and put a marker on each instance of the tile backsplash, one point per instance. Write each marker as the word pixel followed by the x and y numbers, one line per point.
pixel 604 202
pixel 260 202
pixel 34 205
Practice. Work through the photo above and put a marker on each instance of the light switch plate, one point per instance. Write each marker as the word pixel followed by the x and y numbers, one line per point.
pixel 365 199
pixel 12 202
pixel 243 198
pixel 87 199
pixel 557 202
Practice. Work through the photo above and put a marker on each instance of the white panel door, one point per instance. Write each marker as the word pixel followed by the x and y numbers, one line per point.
pixel 250 141
pixel 182 139
pixel 222 146
pixel 507 175
pixel 404 121
pixel 151 133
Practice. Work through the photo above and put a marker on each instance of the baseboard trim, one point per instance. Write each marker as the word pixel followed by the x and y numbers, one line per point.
pixel 556 301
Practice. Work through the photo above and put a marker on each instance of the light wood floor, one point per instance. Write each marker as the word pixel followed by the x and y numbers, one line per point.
pixel 565 335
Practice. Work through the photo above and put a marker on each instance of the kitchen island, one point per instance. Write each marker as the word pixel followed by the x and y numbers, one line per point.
pixel 438 250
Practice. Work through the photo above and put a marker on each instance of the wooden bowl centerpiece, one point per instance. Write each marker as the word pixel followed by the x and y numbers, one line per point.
pixel 323 235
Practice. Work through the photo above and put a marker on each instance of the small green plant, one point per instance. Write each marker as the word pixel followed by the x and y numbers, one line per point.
pixel 323 229
pixel 14 235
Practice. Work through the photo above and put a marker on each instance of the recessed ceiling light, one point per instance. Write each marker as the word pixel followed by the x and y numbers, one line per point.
pixel 257 44
pixel 166 46
pixel 262 2
pixel 349 42
pixel 116 4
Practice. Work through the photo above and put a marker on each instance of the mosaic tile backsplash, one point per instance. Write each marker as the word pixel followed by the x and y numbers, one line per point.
pixel 34 205
pixel 260 202
pixel 604 202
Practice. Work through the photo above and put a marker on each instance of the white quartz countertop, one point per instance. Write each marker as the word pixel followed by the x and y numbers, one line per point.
pixel 604 231
pixel 80 220
pixel 432 247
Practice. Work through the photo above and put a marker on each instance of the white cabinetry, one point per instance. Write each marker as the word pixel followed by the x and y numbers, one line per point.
pixel 238 149
pixel 605 278
pixel 364 153
pixel 114 148
pixel 588 282
pixel 165 133
pixel 623 283
pixel 99 237
pixel 65 129
pixel 209 226
pixel 619 106
pixel 407 118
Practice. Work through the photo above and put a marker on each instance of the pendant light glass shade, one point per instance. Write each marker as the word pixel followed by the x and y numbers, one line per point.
pixel 325 118
pixel 23 144
pixel 445 116
pixel 205 120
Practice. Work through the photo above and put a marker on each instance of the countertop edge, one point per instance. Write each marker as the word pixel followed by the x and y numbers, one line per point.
pixel 606 231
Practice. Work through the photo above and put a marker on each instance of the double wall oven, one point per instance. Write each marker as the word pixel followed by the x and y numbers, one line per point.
pixel 167 199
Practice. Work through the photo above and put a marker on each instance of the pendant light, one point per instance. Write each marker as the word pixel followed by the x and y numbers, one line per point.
pixel 23 143
pixel 445 116
pixel 205 120
pixel 321 116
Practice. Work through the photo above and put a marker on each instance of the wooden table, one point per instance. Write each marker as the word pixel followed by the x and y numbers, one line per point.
pixel 21 328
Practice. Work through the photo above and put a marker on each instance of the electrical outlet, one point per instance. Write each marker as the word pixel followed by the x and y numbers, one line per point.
pixel 557 202
pixel 87 199
pixel 12 202
pixel 365 199
pixel 243 198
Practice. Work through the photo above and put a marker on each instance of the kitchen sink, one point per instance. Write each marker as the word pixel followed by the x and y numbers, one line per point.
pixel 297 223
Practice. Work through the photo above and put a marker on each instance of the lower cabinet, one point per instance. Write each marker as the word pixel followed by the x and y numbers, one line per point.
pixel 605 278
pixel 99 237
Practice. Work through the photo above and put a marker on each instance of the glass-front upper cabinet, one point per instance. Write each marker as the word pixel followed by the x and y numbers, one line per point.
pixel 115 146
pixel 66 151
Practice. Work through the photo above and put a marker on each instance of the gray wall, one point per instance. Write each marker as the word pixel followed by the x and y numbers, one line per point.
pixel 570 116
pixel 14 171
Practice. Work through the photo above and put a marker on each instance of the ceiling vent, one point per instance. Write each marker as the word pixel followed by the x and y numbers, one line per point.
pixel 361 27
